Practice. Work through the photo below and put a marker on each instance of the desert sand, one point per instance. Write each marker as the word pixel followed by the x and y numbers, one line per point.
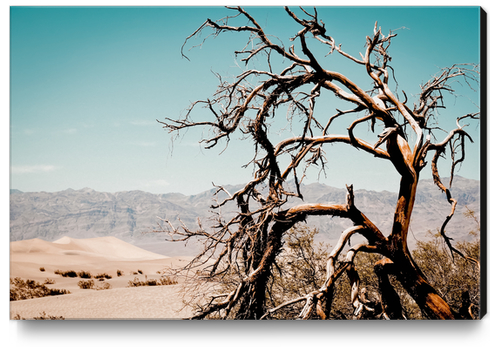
pixel 97 256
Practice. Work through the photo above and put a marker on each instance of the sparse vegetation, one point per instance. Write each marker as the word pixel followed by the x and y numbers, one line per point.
pixel 69 273
pixel 119 273
pixel 456 279
pixel 163 281
pixel 84 274
pixel 140 272
pixel 43 316
pixel 103 276
pixel 86 284
pixel 42 269
pixel 104 286
pixel 29 289
pixel 303 263
pixel 90 284
pixel 49 281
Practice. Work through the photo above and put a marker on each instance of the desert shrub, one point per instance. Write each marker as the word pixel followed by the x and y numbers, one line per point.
pixel 84 274
pixel 140 272
pixel 49 281
pixel 86 284
pixel 42 269
pixel 69 273
pixel 102 276
pixel 55 291
pixel 104 286
pixel 119 273
pixel 453 278
pixel 151 282
pixel 28 289
pixel 43 316
pixel 135 283
pixel 303 266
pixel 164 281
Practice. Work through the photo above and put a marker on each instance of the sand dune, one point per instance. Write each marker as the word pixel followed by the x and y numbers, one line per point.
pixel 108 247
pixel 96 255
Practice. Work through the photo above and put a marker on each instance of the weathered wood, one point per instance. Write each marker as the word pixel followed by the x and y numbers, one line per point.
pixel 249 243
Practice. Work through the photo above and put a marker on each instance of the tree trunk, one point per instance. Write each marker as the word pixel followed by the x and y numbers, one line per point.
pixel 252 303
pixel 390 300
pixel 430 303
pixel 409 274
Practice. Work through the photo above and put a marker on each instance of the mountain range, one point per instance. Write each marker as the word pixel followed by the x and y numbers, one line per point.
pixel 133 215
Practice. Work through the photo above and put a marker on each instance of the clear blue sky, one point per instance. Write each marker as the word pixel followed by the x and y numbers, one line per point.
pixel 87 85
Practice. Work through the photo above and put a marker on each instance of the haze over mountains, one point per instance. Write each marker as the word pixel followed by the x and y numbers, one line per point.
pixel 131 216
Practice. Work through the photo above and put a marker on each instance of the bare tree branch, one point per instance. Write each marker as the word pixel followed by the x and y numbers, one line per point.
pixel 240 252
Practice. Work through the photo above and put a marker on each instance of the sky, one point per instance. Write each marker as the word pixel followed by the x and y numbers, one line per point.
pixel 87 85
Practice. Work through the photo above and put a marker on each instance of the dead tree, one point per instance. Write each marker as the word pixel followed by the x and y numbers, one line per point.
pixel 248 244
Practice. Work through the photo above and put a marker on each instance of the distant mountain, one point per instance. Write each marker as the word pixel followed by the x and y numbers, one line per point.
pixel 86 213
pixel 131 216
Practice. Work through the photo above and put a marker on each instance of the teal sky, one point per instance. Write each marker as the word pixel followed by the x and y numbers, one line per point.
pixel 88 83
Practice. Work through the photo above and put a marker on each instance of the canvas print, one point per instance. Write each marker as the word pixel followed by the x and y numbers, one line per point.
pixel 246 163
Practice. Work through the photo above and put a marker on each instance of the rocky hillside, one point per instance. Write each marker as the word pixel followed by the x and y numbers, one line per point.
pixel 131 216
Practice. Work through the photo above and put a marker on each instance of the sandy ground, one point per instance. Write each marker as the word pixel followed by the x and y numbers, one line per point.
pixel 98 255
pixel 162 302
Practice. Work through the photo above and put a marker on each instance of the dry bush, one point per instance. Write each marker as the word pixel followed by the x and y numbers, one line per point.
pixel 28 289
pixel 163 281
pixel 43 316
pixel 86 284
pixel 103 276
pixel 104 286
pixel 84 274
pixel 69 273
